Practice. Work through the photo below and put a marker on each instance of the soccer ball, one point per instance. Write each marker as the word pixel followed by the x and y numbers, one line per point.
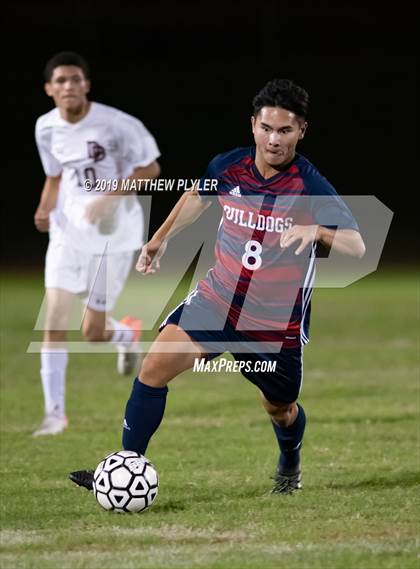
pixel 125 481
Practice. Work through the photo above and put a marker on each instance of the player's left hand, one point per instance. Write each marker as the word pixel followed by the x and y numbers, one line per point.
pixel 306 234
pixel 100 208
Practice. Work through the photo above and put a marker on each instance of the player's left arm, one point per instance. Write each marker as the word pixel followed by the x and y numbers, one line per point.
pixel 140 174
pixel 146 172
pixel 333 224
pixel 139 153
pixel 344 241
pixel 105 205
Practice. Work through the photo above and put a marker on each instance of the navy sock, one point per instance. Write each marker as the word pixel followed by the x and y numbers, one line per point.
pixel 290 442
pixel 143 414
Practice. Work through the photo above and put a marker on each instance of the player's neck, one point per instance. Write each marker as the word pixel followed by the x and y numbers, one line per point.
pixel 76 114
pixel 268 171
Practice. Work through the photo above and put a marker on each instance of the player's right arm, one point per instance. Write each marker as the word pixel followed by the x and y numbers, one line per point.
pixel 52 168
pixel 47 202
pixel 186 211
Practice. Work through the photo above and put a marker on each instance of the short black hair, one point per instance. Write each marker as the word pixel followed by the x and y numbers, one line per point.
pixel 66 58
pixel 282 93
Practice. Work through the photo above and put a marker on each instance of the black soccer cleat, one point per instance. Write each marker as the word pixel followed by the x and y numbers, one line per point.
pixel 286 483
pixel 82 478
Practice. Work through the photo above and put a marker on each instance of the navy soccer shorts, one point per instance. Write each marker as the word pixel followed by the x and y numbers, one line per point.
pixel 198 317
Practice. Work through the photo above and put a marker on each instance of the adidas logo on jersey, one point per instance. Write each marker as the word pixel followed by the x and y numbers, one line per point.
pixel 236 191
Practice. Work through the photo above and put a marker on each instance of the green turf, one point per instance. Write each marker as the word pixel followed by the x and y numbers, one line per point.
pixel 215 451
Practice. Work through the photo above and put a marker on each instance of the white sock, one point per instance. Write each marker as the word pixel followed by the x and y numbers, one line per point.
pixel 53 376
pixel 123 334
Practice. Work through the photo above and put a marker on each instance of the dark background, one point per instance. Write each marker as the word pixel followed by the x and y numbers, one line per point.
pixel 189 71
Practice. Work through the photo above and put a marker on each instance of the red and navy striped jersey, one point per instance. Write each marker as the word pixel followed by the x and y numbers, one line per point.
pixel 265 290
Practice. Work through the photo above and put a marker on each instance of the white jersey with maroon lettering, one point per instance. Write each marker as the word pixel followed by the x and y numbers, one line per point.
pixel 91 155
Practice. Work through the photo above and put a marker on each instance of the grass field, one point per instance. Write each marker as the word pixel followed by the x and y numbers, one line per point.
pixel 215 451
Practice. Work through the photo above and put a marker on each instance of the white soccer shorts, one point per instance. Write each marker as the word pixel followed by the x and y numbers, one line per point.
pixel 97 279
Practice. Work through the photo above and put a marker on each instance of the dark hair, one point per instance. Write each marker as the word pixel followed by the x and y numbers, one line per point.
pixel 282 93
pixel 66 58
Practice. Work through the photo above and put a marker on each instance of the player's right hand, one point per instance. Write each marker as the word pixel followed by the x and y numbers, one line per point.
pixel 149 258
pixel 42 220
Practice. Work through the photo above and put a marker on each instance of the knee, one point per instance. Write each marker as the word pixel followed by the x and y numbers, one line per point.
pixel 281 417
pixel 153 371
pixel 93 333
pixel 56 318
pixel 54 336
pixel 280 413
pixel 148 366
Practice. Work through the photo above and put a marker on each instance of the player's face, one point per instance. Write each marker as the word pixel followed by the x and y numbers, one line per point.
pixel 276 134
pixel 68 87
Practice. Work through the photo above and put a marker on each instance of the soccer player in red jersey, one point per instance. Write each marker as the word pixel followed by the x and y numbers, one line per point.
pixel 255 302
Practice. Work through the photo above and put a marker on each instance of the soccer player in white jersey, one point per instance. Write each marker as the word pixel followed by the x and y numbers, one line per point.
pixel 93 234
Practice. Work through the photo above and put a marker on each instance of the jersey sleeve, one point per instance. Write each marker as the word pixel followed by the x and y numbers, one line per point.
pixel 327 207
pixel 137 145
pixel 50 164
pixel 209 181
